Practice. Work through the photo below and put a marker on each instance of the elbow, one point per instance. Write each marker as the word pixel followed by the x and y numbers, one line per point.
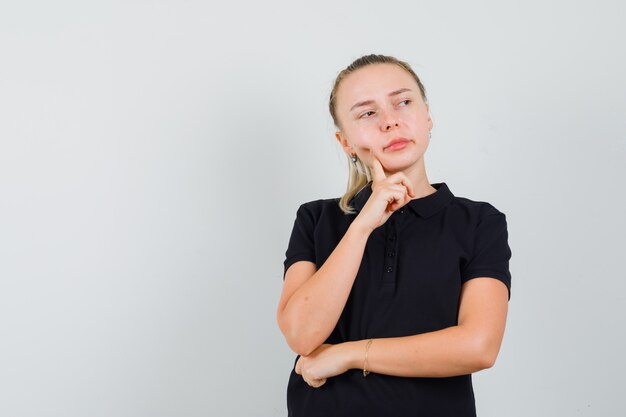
pixel 484 354
pixel 300 344
pixel 486 360
pixel 300 341
pixel 302 349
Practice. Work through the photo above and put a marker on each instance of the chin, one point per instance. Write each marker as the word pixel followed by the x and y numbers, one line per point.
pixel 397 167
pixel 400 162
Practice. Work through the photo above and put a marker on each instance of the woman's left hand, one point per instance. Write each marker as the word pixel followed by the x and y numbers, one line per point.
pixel 324 362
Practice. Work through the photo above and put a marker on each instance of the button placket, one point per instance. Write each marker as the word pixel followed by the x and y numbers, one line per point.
pixel 391 250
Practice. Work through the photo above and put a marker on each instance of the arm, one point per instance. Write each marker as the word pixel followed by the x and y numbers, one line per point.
pixel 468 347
pixel 312 301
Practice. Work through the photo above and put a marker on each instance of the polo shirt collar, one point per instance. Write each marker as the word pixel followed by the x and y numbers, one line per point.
pixel 424 206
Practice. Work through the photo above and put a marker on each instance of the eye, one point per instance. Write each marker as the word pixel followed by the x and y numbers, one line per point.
pixel 366 114
pixel 405 102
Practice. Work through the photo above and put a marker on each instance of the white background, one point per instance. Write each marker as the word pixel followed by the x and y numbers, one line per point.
pixel 153 155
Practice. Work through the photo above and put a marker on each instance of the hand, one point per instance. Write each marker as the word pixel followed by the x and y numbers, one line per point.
pixel 324 362
pixel 388 195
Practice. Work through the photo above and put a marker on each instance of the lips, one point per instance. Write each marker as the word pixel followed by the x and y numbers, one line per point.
pixel 397 143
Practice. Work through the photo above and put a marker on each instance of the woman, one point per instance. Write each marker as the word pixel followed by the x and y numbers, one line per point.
pixel 396 293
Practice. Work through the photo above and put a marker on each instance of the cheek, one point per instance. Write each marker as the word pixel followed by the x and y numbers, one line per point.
pixel 421 127
pixel 363 138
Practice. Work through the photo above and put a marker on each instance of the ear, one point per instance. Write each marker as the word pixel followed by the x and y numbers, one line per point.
pixel 344 143
pixel 430 119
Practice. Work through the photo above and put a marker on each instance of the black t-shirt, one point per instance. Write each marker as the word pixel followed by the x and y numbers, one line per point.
pixel 409 282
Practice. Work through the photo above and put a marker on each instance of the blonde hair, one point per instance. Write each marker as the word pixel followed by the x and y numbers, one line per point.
pixel 359 174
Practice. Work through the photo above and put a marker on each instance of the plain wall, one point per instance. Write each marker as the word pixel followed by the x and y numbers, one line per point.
pixel 153 155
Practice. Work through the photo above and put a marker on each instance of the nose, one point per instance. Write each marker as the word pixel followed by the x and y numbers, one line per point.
pixel 390 125
pixel 388 122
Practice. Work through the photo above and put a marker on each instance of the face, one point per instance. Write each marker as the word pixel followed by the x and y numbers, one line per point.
pixel 381 111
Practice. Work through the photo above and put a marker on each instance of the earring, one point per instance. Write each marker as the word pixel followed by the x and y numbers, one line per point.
pixel 430 134
pixel 353 158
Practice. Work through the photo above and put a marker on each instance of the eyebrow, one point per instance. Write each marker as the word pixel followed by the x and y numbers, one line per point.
pixel 368 102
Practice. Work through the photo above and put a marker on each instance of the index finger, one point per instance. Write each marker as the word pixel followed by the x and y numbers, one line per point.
pixel 378 173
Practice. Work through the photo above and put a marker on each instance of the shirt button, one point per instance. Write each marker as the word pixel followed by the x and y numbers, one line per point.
pixel 392 238
pixel 389 269
pixel 402 211
pixel 391 254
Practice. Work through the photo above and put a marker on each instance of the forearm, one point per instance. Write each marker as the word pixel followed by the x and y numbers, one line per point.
pixel 448 352
pixel 313 310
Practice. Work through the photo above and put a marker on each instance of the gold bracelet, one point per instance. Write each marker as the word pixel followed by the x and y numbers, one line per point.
pixel 367 349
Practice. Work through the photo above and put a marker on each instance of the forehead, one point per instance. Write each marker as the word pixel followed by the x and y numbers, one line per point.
pixel 373 82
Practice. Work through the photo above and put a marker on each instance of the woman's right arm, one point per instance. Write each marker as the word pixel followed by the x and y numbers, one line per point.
pixel 312 300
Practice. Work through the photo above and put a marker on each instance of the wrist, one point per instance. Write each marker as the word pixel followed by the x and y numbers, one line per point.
pixel 359 229
pixel 355 353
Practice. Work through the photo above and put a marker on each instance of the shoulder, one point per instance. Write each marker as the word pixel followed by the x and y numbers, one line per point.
pixel 323 217
pixel 482 223
pixel 470 216
pixel 474 208
pixel 321 207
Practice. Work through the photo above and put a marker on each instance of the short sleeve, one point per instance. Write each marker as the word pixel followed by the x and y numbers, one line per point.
pixel 491 253
pixel 301 243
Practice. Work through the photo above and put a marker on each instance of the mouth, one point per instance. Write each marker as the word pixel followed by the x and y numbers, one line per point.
pixel 396 144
